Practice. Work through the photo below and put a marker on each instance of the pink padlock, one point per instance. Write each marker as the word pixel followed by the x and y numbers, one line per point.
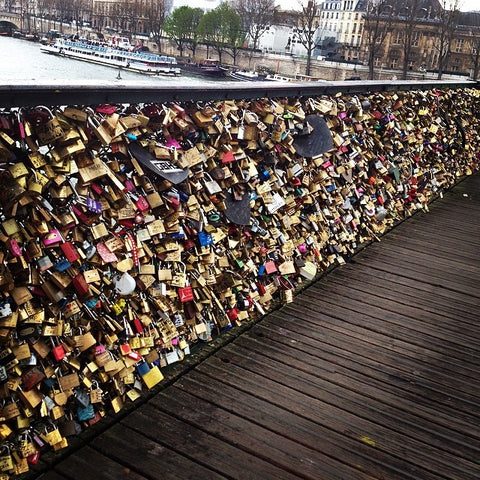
pixel 129 185
pixel 302 248
pixel 52 237
pixel 15 248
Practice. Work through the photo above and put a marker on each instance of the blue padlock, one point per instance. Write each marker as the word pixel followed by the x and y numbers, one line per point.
pixel 62 265
pixel 183 197
pixel 85 413
pixel 205 239
pixel 264 175
pixel 143 368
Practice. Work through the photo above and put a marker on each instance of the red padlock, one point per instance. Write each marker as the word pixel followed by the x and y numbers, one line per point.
pixel 137 324
pixel 58 352
pixel 185 294
pixel 142 204
pixel 70 252
pixel 80 285
pixel 33 459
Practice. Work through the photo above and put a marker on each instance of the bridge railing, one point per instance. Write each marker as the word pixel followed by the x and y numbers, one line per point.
pixel 95 92
pixel 138 221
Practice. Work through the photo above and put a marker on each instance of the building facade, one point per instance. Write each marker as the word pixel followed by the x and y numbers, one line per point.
pixel 424 32
pixel 341 27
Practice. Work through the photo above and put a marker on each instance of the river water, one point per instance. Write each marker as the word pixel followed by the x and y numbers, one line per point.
pixel 22 61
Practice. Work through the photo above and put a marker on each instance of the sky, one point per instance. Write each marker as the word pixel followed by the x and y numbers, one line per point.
pixel 469 5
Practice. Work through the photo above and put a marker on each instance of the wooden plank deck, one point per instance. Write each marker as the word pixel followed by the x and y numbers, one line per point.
pixel 372 373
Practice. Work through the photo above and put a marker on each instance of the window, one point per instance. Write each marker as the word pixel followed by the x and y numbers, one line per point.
pixel 397 38
pixel 354 29
pixel 460 44
pixel 415 39
pixel 394 63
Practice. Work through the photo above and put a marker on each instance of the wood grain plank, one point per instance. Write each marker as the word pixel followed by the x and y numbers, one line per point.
pixel 425 272
pixel 153 460
pixel 302 431
pixel 301 460
pixel 403 382
pixel 419 239
pixel 303 318
pixel 365 393
pixel 408 320
pixel 50 475
pixel 232 461
pixel 270 383
pixel 445 259
pixel 88 463
pixel 458 297
pixel 444 315
pixel 327 392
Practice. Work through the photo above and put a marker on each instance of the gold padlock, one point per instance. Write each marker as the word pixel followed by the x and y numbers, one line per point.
pixel 49 131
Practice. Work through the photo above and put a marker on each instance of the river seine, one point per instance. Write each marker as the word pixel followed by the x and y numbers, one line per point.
pixel 22 61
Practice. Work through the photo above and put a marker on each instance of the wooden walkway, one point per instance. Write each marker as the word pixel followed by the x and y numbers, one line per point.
pixel 372 373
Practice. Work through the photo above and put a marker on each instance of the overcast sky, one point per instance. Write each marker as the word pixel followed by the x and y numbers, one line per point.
pixel 469 5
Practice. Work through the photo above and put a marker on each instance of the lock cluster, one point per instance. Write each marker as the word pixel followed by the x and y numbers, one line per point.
pixel 132 233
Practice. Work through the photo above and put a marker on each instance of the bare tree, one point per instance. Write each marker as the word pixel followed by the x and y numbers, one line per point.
pixel 62 7
pixel 8 5
pixel 77 11
pixel 410 13
pixel 475 54
pixel 448 22
pixel 307 24
pixel 156 13
pixel 378 21
pixel 256 17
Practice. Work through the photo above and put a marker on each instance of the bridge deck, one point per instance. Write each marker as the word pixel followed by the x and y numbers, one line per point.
pixel 372 373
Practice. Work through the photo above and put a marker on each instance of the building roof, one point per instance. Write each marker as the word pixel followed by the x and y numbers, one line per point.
pixel 469 19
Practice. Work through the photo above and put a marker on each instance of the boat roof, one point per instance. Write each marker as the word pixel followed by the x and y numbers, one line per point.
pixel 152 57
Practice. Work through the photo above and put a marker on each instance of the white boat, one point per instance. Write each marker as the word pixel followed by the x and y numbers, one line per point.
pixel 110 56
pixel 246 75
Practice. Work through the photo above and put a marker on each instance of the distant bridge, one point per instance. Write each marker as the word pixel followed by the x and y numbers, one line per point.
pixel 10 22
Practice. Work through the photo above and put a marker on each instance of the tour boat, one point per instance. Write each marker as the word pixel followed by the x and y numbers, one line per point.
pixel 110 56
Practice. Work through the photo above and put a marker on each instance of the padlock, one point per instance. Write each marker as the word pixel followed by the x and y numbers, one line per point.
pixel 179 278
pixel 46 126
pixel 96 393
pixel 99 128
pixel 6 459
pixel 57 350
pixel 51 434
